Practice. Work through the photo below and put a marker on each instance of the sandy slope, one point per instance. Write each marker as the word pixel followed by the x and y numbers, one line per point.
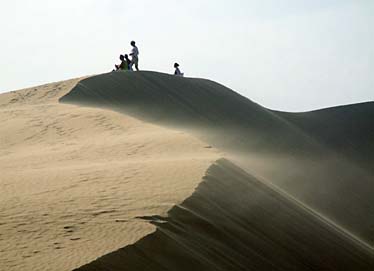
pixel 238 222
pixel 82 183
pixel 347 129
pixel 258 229
pixel 74 179
pixel 323 158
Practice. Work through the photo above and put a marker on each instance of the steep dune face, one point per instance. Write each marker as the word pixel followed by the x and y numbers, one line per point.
pixel 304 154
pixel 235 222
pixel 74 179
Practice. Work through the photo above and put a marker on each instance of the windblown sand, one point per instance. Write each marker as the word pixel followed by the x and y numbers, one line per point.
pixel 90 182
pixel 74 179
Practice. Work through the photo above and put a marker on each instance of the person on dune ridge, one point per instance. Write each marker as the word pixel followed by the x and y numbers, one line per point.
pixel 124 66
pixel 134 56
pixel 177 71
pixel 128 62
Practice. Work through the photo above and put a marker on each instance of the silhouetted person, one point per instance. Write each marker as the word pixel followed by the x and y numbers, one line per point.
pixel 124 66
pixel 177 71
pixel 134 56
pixel 128 62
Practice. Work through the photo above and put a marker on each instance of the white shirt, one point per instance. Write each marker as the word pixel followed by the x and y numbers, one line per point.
pixel 135 51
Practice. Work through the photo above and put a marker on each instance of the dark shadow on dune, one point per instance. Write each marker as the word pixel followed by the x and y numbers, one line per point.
pixel 349 130
pixel 323 158
pixel 187 103
pixel 235 222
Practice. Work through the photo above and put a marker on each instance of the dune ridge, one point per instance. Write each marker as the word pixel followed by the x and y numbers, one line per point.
pixel 125 171
pixel 257 229
pixel 301 153
pixel 182 102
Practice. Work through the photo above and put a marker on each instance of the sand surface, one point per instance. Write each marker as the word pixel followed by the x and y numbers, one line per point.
pixel 323 158
pixel 147 171
pixel 260 228
pixel 74 179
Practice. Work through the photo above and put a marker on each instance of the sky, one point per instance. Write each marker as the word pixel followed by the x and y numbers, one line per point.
pixel 290 55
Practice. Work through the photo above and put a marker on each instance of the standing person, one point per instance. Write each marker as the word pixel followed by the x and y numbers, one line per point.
pixel 177 70
pixel 134 56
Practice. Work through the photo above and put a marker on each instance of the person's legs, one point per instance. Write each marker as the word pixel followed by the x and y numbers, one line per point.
pixel 135 61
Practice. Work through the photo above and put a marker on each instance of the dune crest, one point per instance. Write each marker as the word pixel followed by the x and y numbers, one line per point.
pixel 235 222
pixel 147 171
pixel 323 158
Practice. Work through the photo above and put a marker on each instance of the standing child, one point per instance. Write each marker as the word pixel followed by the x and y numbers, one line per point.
pixel 134 56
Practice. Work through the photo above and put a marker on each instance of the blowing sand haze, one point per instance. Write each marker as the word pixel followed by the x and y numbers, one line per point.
pixel 148 171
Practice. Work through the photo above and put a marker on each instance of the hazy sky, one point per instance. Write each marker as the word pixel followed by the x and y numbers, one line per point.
pixel 292 55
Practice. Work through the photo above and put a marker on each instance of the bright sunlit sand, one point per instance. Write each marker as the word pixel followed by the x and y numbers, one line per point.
pixel 74 179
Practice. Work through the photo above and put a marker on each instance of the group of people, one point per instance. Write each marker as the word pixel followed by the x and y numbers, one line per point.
pixel 127 63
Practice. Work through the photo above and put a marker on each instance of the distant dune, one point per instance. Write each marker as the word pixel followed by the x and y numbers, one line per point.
pixel 348 130
pixel 148 171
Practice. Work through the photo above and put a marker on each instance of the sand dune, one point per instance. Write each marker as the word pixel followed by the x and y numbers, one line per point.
pixel 304 154
pixel 147 171
pixel 190 104
pixel 346 129
pixel 73 179
pixel 257 229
